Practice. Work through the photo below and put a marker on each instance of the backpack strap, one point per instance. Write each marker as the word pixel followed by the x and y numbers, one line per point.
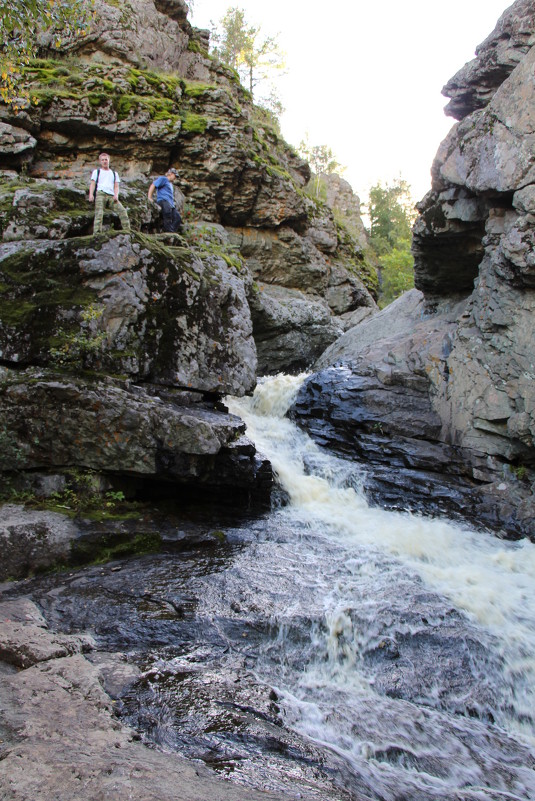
pixel 98 174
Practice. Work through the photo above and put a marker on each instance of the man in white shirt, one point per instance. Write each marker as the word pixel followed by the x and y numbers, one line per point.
pixel 104 191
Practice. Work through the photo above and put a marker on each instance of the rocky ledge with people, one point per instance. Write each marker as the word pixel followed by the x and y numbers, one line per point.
pixel 118 347
pixel 263 278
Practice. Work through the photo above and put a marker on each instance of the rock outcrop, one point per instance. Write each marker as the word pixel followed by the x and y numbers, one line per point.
pixel 448 387
pixel 116 349
pixel 474 85
pixel 151 106
pixel 59 731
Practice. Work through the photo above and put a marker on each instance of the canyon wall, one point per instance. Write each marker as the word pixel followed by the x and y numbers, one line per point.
pixel 116 348
pixel 441 385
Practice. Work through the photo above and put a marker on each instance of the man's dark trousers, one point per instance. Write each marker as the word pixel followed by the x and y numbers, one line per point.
pixel 172 221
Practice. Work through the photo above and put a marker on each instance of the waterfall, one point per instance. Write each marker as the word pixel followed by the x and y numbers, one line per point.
pixel 373 584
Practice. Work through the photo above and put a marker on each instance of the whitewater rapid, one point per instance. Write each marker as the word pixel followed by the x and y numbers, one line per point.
pixel 490 581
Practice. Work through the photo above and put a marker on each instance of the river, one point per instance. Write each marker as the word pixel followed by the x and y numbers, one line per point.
pixel 328 650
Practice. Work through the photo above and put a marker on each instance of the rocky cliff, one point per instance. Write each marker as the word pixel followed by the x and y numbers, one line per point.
pixel 115 349
pixel 441 385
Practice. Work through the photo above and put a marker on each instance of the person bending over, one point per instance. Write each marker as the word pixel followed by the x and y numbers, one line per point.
pixel 165 198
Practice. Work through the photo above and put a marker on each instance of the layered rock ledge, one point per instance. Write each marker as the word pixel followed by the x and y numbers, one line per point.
pixel 441 386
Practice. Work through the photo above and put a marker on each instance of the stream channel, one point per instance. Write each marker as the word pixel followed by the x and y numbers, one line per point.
pixel 327 650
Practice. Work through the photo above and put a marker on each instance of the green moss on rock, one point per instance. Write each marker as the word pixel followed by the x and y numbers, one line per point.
pixel 194 123
pixel 197 89
pixel 113 546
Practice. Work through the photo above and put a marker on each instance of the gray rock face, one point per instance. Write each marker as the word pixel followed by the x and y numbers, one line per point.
pixel 111 427
pixel 340 197
pixel 129 305
pixel 463 351
pixel 375 399
pixel 16 143
pixel 235 169
pixel 476 225
pixel 473 86
pixel 395 321
pixel 492 148
pixel 32 540
pixel 291 328
pixel 146 34
pixel 116 347
pixel 60 733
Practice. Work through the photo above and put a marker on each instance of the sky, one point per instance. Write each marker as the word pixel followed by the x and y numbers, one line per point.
pixel 365 78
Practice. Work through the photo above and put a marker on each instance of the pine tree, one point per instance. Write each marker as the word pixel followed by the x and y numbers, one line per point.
pixel 256 58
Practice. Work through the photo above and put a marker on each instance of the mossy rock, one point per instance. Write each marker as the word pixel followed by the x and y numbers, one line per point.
pixel 107 547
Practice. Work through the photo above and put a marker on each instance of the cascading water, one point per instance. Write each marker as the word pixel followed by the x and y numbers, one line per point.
pixel 326 651
pixel 422 633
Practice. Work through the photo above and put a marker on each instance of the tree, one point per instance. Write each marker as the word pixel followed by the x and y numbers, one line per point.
pixel 322 161
pixel 391 213
pixel 320 157
pixel 241 46
pixel 21 21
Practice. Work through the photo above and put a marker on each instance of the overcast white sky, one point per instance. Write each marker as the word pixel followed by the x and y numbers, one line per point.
pixel 365 78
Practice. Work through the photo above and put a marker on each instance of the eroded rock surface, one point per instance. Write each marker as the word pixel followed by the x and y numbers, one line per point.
pixel 450 388
pixel 474 85
pixel 60 735
pixel 172 104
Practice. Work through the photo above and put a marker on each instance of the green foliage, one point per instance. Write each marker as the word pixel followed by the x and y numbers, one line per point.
pixel 391 213
pixel 320 157
pixel 20 23
pixel 266 123
pixel 256 58
pixel 82 494
pixel 520 472
pixel 397 274
pixel 74 347
pixel 322 161
pixel 233 38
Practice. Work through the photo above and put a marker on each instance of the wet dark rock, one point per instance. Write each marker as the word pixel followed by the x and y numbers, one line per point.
pixel 384 420
pixel 56 714
pixel 180 640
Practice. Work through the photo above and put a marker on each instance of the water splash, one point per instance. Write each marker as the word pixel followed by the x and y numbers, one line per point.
pixel 490 581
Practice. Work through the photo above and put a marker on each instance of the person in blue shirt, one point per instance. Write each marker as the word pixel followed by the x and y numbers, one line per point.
pixel 165 198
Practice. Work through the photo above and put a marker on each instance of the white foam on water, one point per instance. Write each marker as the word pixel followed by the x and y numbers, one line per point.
pixel 489 580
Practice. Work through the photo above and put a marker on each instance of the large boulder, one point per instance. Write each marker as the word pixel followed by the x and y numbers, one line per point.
pixel 154 35
pixel 375 398
pixel 60 420
pixel 291 328
pixel 127 304
pixel 141 440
